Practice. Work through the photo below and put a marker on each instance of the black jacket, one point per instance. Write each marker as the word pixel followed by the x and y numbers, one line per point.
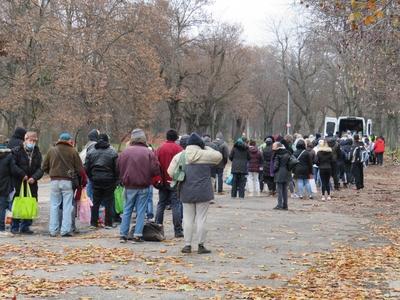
pixel 27 164
pixel 224 150
pixel 282 173
pixel 240 157
pixel 17 139
pixel 303 170
pixel 268 156
pixel 101 164
pixel 7 171
pixel 324 160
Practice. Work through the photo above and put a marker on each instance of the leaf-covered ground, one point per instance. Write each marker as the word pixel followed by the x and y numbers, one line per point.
pixel 348 248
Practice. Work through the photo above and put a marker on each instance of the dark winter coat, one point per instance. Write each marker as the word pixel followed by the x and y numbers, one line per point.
pixel 224 150
pixel 324 160
pixel 240 157
pixel 7 171
pixel 347 151
pixel 17 139
pixel 303 170
pixel 101 164
pixel 27 164
pixel 268 155
pixel 282 173
pixel 256 159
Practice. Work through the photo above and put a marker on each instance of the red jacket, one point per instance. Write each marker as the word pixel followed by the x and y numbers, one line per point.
pixel 165 154
pixel 379 146
pixel 137 166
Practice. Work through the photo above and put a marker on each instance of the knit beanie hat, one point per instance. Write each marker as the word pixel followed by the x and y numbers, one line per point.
pixel 138 136
pixel 93 135
pixel 65 137
pixel 184 140
pixel 195 140
pixel 172 135
pixel 103 137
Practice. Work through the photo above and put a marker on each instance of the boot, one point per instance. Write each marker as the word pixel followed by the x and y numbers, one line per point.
pixel 187 249
pixel 203 250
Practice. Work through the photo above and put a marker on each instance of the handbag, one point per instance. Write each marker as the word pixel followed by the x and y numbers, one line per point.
pixel 179 172
pixel 292 163
pixel 72 174
pixel 229 180
pixel 152 232
pixel 25 207
pixel 119 199
pixel 84 208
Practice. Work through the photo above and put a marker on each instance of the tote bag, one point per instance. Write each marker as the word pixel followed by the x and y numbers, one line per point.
pixel 25 207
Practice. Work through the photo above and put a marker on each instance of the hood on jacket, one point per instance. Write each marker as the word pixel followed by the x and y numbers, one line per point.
pixel 184 140
pixel 93 135
pixel 19 133
pixel 253 149
pixel 240 144
pixel 4 152
pixel 102 145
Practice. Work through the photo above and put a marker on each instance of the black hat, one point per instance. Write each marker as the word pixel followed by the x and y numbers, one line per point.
pixel 196 140
pixel 104 137
pixel 93 135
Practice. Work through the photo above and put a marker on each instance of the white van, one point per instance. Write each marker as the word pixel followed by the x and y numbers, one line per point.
pixel 346 124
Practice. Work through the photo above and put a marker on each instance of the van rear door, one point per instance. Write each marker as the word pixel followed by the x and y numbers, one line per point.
pixel 369 127
pixel 330 126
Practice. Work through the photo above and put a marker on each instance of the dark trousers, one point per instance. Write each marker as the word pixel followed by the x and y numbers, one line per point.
pixel 335 175
pixel 18 225
pixel 220 180
pixel 379 158
pixel 325 175
pixel 260 180
pixel 103 194
pixel 4 204
pixel 282 194
pixel 358 174
pixel 168 196
pixel 270 183
pixel 348 176
pixel 238 185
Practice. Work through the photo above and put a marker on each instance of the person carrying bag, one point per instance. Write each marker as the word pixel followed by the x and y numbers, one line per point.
pixel 25 206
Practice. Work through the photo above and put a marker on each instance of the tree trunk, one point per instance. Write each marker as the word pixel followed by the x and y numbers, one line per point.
pixel 175 118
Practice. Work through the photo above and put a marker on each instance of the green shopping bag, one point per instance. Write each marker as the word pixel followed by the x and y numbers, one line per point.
pixel 25 207
pixel 119 199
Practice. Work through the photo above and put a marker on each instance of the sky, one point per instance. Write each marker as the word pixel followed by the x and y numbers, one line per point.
pixel 254 16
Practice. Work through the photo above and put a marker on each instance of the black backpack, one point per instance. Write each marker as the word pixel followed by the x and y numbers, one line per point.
pixel 152 232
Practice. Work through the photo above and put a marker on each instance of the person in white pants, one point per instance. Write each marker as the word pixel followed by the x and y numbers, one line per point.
pixel 255 165
pixel 196 191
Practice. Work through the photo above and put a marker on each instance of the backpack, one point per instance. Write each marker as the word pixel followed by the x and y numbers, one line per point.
pixel 347 155
pixel 360 154
pixel 179 172
pixel 152 232
pixel 292 163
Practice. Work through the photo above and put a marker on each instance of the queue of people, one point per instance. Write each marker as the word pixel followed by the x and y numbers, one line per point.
pixel 281 164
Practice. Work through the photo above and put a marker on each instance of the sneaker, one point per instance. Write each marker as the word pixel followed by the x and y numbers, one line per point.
pixel 277 207
pixel 301 197
pixel 323 198
pixel 91 227
pixel 203 250
pixel 53 235
pixel 28 232
pixel 311 197
pixel 187 249
pixel 123 240
pixel 329 198
pixel 137 239
pixel 285 208
pixel 68 234
pixel 14 231
pixel 294 196
pixel 179 235
pixel 5 234
pixel 108 227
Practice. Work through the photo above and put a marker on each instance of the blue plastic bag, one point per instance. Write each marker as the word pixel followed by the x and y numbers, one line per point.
pixel 229 180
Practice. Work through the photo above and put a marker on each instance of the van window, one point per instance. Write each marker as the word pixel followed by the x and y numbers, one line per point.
pixel 353 125
pixel 330 128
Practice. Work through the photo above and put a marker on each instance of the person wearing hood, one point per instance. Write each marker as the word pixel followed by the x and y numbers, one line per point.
pixel 184 140
pixel 268 165
pixel 282 174
pixel 7 171
pixel 61 162
pixel 167 194
pixel 28 162
pixel 325 162
pixel 303 170
pixel 93 137
pixel 347 153
pixel 101 168
pixel 196 191
pixel 224 150
pixel 357 166
pixel 17 138
pixel 240 157
pixel 137 166
pixel 255 164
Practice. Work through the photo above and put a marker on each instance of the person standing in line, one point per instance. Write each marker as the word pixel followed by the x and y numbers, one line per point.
pixel 28 163
pixel 7 172
pixel 101 168
pixel 212 145
pixel 379 150
pixel 303 170
pixel 324 162
pixel 167 193
pixel 224 150
pixel 93 137
pixel 357 166
pixel 17 138
pixel 268 166
pixel 240 157
pixel 137 166
pixel 282 174
pixel 61 163
pixel 255 164
pixel 196 190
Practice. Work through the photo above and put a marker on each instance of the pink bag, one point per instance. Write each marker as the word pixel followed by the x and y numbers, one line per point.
pixel 84 208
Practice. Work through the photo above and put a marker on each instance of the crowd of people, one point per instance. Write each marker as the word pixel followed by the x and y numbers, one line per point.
pixel 186 170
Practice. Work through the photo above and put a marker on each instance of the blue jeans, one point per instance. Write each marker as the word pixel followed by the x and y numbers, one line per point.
pixel 149 207
pixel 89 189
pixel 134 198
pixel 303 184
pixel 166 196
pixel 3 206
pixel 61 192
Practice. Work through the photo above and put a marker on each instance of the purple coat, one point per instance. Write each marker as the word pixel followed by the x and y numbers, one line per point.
pixel 256 159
